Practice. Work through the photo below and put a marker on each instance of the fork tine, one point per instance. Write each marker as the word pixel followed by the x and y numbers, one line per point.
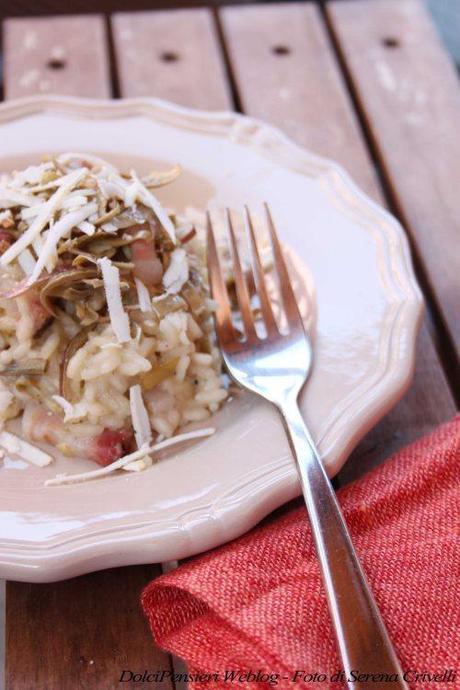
pixel 265 303
pixel 242 292
pixel 223 316
pixel 289 300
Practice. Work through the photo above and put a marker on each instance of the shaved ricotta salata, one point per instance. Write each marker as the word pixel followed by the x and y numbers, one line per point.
pixel 112 286
pixel 140 417
pixel 16 445
pixel 44 216
pixel 107 348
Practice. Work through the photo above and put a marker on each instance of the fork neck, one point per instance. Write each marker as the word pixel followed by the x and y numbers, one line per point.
pixel 298 432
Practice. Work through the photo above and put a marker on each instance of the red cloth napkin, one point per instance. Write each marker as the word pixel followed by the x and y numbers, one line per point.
pixel 258 605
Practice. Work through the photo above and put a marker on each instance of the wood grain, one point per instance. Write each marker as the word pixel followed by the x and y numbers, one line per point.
pixel 63 55
pixel 80 633
pixel 172 55
pixel 409 94
pixel 318 113
pixel 286 73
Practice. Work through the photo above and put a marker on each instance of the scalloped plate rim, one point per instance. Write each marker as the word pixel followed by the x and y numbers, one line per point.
pixel 70 557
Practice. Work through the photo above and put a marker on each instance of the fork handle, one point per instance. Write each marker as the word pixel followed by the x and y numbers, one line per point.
pixel 364 644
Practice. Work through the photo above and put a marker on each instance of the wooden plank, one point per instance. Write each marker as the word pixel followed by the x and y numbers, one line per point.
pixel 80 633
pixel 83 632
pixel 63 55
pixel 172 55
pixel 287 74
pixel 409 94
pixel 302 91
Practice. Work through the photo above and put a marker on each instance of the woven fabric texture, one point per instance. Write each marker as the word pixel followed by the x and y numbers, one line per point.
pixel 258 604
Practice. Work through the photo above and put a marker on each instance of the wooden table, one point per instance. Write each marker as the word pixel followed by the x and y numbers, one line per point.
pixel 367 84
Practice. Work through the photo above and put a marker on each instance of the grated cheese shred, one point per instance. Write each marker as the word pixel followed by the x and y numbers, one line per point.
pixel 177 274
pixel 58 230
pixel 140 191
pixel 140 417
pixel 27 262
pixel 118 317
pixel 145 302
pixel 61 479
pixel 13 444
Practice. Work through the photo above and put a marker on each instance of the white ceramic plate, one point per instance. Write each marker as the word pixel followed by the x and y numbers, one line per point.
pixel 368 309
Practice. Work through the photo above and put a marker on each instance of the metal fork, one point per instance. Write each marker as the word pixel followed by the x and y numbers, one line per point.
pixel 276 367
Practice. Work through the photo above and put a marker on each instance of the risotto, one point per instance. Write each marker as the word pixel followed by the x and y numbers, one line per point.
pixel 106 332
